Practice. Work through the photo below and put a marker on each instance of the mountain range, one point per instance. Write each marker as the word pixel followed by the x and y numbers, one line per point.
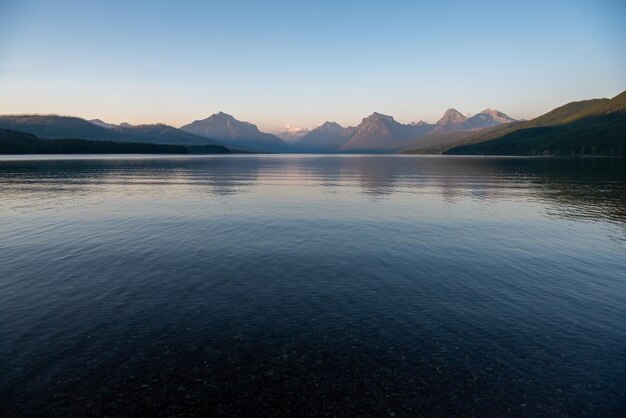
pixel 453 120
pixel 382 133
pixel 375 134
pixel 64 127
pixel 596 126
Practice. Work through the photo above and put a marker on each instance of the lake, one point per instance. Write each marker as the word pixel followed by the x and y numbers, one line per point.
pixel 312 285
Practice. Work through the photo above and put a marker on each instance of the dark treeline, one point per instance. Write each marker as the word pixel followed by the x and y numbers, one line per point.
pixel 13 142
pixel 555 141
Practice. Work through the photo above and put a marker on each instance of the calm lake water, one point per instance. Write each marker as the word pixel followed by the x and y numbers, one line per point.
pixel 312 285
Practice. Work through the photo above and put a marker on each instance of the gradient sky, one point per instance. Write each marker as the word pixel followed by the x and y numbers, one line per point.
pixel 304 62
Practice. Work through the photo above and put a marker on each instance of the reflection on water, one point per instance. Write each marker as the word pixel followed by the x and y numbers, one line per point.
pixel 592 188
pixel 323 285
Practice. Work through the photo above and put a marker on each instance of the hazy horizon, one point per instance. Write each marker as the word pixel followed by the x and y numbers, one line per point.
pixel 298 65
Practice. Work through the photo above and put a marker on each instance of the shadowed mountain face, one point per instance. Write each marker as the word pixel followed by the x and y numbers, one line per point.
pixel 161 132
pixel 328 137
pixel 591 127
pixel 232 132
pixel 62 127
pixel 379 132
pixel 52 126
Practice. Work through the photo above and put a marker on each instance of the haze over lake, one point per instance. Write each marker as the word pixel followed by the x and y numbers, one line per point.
pixel 375 285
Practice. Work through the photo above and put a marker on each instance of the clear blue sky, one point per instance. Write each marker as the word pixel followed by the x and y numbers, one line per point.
pixel 303 62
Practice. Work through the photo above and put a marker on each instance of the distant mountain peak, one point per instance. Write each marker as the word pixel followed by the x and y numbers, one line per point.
pixel 496 116
pixel 378 116
pixel 453 120
pixel 328 137
pixel 330 126
pixel 103 124
pixel 229 119
pixel 107 125
pixel 452 117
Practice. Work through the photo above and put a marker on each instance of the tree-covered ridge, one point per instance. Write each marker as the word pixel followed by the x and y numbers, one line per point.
pixel 13 142
pixel 61 127
pixel 591 127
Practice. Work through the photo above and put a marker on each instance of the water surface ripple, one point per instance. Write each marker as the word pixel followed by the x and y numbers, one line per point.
pixel 312 285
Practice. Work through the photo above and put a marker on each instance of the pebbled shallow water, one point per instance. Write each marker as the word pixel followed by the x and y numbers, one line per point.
pixel 312 285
